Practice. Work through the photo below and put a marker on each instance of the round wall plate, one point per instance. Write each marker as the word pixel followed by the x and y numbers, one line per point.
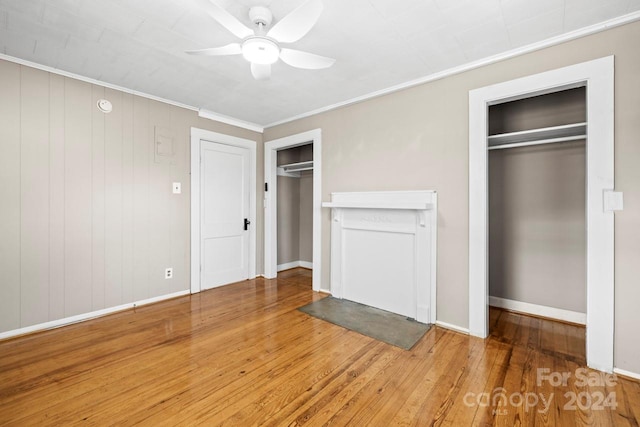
pixel 104 106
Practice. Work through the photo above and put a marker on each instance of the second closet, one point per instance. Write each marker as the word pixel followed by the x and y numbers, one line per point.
pixel 295 207
pixel 537 204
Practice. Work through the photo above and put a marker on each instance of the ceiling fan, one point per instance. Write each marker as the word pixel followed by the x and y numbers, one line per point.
pixel 260 46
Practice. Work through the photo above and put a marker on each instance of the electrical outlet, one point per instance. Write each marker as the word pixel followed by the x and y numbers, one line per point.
pixel 177 188
pixel 168 273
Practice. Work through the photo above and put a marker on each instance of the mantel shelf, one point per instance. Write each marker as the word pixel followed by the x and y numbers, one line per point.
pixel 416 206
pixel 571 132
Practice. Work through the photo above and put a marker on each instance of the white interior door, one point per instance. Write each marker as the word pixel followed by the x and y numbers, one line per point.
pixel 224 214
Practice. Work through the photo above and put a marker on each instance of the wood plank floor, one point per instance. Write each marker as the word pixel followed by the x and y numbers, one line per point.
pixel 243 355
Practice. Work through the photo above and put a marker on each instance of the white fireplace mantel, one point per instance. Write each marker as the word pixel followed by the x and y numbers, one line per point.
pixel 383 250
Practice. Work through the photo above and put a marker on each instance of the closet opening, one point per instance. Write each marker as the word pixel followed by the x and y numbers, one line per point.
pixel 294 211
pixel 537 239
pixel 597 76
pixel 293 164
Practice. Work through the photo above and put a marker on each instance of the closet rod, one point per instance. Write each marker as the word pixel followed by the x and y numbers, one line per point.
pixel 299 166
pixel 538 142
pixel 307 168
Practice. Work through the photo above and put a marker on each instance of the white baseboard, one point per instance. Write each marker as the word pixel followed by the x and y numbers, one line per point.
pixel 629 374
pixel 539 310
pixel 288 265
pixel 294 264
pixel 452 327
pixel 86 316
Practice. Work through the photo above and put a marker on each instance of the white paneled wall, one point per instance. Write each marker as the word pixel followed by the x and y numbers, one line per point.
pixel 88 220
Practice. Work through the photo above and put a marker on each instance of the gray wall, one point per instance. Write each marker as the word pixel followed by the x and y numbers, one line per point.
pixel 418 139
pixel 537 242
pixel 306 207
pixel 306 217
pixel 87 218
pixel 288 219
pixel 554 109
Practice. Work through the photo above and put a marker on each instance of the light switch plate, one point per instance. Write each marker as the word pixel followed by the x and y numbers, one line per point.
pixel 613 201
pixel 177 188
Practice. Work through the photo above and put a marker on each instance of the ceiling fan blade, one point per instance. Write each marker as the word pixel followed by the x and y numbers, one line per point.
pixel 261 71
pixel 296 24
pixel 306 60
pixel 230 49
pixel 227 20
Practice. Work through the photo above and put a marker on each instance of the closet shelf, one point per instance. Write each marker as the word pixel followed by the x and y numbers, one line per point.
pixel 571 132
pixel 297 167
pixel 293 169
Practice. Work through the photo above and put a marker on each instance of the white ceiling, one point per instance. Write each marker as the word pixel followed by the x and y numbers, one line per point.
pixel 140 44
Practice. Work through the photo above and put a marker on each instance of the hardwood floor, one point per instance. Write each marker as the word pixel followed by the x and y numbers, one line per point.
pixel 243 355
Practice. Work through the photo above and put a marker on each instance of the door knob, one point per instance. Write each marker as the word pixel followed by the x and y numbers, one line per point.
pixel 246 224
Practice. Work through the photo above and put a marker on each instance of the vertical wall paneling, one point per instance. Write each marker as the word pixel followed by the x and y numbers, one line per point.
pixel 56 196
pixel 78 198
pixel 97 200
pixel 183 220
pixel 34 197
pixel 179 247
pixel 88 220
pixel 113 199
pixel 141 156
pixel 10 195
pixel 160 193
pixel 127 197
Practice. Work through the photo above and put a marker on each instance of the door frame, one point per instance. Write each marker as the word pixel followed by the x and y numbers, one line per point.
pixel 271 149
pixel 598 76
pixel 198 135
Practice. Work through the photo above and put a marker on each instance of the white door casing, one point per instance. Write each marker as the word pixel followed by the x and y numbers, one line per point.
pixel 224 207
pixel 598 77
pixel 223 187
pixel 270 201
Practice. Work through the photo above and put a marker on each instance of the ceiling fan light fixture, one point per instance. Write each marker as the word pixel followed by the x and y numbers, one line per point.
pixel 260 45
pixel 260 50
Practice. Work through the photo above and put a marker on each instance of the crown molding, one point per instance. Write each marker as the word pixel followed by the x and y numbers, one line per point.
pixel 205 114
pixel 582 32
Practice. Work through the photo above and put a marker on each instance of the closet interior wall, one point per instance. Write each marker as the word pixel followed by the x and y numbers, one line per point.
pixel 295 210
pixel 537 220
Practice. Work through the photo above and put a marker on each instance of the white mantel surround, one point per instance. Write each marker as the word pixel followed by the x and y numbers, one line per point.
pixel 383 250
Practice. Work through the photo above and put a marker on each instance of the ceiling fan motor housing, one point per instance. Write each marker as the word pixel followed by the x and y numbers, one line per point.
pixel 260 15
